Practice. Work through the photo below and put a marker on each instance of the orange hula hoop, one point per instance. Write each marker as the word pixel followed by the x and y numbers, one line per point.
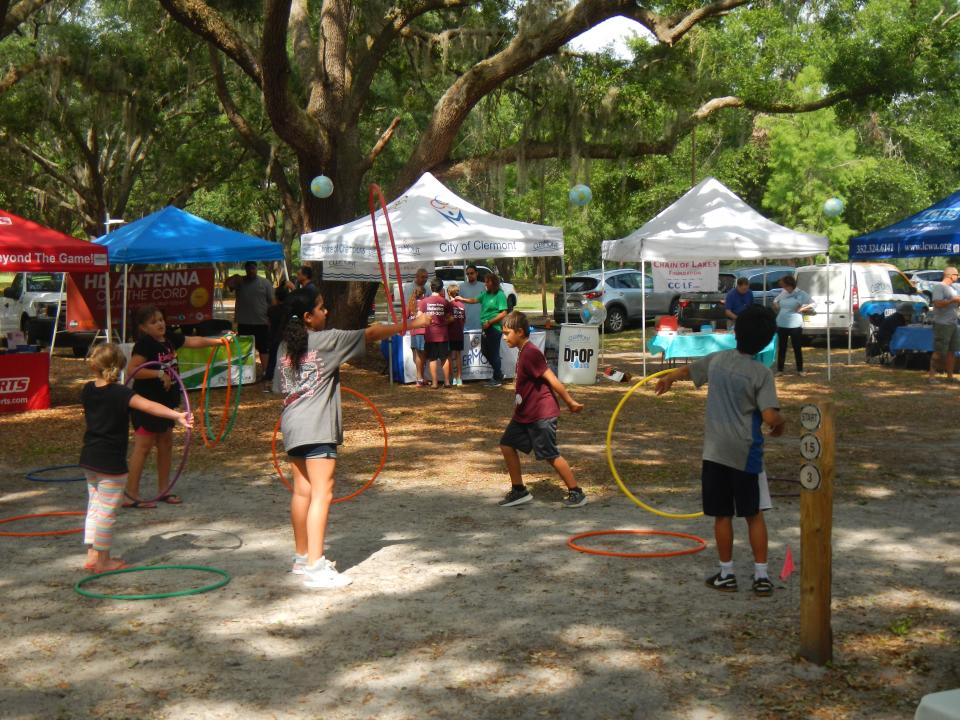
pixel 383 455
pixel 701 544
pixel 203 399
pixel 44 533
pixel 375 191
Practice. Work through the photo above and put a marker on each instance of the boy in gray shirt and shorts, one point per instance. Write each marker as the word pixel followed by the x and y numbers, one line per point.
pixel 741 397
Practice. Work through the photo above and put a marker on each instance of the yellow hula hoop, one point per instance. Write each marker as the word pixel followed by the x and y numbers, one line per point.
pixel 613 467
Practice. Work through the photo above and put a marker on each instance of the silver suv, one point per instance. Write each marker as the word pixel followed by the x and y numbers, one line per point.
pixel 622 296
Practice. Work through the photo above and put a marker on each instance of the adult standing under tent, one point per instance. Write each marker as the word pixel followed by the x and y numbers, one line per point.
pixel 472 288
pixel 254 298
pixel 429 223
pixel 710 222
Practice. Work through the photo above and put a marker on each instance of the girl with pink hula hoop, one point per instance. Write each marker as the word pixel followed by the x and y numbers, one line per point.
pixel 308 375
pixel 106 405
pixel 156 345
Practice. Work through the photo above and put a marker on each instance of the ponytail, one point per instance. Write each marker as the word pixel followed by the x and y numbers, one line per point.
pixel 295 332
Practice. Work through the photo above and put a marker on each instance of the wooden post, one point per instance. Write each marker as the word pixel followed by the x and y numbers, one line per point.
pixel 817 446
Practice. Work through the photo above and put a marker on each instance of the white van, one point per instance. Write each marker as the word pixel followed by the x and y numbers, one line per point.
pixel 877 289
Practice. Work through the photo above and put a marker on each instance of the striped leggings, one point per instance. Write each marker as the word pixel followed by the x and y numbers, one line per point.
pixel 104 494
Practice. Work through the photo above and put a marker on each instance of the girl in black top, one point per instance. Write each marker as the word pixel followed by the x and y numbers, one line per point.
pixel 104 455
pixel 154 344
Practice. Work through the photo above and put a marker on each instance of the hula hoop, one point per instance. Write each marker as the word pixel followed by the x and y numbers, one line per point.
pixel 33 475
pixel 613 467
pixel 375 190
pixel 153 596
pixel 186 439
pixel 701 544
pixel 44 533
pixel 383 455
pixel 225 426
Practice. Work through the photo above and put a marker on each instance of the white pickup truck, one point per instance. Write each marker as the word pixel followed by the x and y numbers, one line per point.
pixel 29 304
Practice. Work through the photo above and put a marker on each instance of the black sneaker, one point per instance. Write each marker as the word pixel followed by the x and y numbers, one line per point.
pixel 723 584
pixel 762 587
pixel 516 496
pixel 574 498
pixel 493 383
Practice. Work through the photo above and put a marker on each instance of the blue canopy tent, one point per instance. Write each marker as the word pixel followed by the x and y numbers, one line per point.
pixel 175 236
pixel 934 232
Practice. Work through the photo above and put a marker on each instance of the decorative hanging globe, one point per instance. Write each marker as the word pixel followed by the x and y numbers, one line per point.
pixel 833 207
pixel 580 195
pixel 592 312
pixel 321 186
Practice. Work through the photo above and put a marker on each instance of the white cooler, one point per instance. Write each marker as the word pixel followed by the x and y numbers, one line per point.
pixel 579 354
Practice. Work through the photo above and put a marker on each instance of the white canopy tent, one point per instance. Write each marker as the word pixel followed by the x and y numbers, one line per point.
pixel 430 222
pixel 711 222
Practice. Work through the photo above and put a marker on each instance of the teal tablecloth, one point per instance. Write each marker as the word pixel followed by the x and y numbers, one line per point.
pixel 673 346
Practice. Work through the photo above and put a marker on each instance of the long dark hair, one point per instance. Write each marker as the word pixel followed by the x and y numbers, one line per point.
pixel 299 303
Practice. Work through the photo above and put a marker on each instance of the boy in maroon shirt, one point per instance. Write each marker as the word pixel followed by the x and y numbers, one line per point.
pixel 437 341
pixel 534 423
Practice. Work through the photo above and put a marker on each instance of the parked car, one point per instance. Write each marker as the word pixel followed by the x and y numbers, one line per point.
pixel 30 305
pixel 622 297
pixel 704 308
pixel 924 280
pixel 876 287
pixel 455 274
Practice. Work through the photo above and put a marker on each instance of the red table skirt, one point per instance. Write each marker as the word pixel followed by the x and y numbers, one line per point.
pixel 24 382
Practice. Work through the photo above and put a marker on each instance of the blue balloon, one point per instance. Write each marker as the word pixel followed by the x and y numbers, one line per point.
pixel 580 195
pixel 833 207
pixel 321 186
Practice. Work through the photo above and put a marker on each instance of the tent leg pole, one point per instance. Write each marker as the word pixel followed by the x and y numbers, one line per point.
pixel 643 318
pixel 109 320
pixel 829 359
pixel 850 321
pixel 126 269
pixel 56 319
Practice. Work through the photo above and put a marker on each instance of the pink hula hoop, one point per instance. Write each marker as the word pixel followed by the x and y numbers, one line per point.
pixel 186 439
pixel 376 193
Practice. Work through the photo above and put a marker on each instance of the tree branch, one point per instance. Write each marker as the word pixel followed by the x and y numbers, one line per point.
pixel 256 143
pixel 12 17
pixel 200 19
pixel 16 74
pixel 289 121
pixel 394 22
pixel 381 144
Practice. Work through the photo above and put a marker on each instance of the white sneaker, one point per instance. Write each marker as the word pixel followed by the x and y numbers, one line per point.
pixel 299 563
pixel 323 575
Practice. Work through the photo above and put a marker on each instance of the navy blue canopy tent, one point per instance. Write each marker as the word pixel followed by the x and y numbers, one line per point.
pixel 172 235
pixel 934 232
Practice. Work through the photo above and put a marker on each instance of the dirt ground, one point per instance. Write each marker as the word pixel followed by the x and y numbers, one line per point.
pixel 462 609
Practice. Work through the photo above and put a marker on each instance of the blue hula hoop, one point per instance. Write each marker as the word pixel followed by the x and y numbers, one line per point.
pixel 34 475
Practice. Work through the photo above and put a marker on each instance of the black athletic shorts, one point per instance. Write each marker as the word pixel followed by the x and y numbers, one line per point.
pixel 456 345
pixel 437 350
pixel 539 436
pixel 728 492
pixel 261 336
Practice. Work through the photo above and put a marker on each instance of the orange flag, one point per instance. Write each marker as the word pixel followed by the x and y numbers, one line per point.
pixel 788 566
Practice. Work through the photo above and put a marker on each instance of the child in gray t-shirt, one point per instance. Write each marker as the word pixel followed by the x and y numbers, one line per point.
pixel 308 375
pixel 741 397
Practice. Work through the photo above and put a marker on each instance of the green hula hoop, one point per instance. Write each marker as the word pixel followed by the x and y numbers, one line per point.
pixel 236 401
pixel 153 596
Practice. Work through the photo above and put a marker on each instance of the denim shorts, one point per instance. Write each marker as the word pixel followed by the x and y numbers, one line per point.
pixel 418 342
pixel 314 451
